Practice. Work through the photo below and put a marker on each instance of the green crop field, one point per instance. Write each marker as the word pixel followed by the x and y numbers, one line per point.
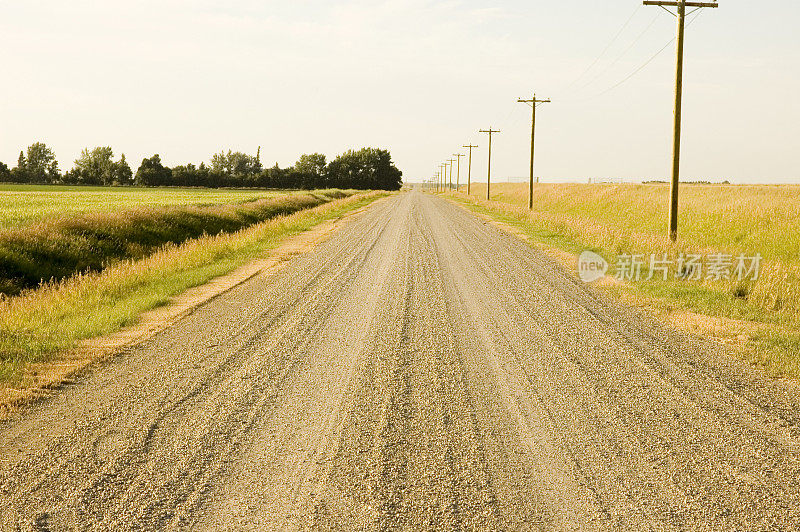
pixel 27 204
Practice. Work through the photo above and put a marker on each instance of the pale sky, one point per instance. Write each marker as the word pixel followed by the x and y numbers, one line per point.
pixel 187 78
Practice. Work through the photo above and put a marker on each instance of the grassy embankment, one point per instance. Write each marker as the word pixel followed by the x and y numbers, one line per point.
pixel 60 247
pixel 38 325
pixel 631 219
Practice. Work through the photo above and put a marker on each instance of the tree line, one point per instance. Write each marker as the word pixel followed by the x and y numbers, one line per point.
pixel 367 168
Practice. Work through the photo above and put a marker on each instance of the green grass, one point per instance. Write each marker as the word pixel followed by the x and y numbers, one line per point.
pixel 616 219
pixel 61 247
pixel 39 325
pixel 22 205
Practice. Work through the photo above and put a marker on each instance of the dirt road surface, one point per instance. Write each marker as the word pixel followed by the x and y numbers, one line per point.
pixel 420 370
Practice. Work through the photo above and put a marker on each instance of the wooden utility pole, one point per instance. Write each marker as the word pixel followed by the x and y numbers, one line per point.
pixel 458 168
pixel 490 131
pixel 676 131
pixel 469 168
pixel 533 103
pixel 444 175
pixel 450 179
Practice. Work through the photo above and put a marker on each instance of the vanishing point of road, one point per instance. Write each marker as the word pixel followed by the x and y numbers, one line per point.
pixel 419 370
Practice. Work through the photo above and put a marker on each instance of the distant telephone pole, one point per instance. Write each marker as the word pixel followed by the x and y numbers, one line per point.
pixel 469 168
pixel 458 171
pixel 450 182
pixel 676 131
pixel 490 131
pixel 533 103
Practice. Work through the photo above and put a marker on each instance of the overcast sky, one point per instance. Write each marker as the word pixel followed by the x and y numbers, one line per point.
pixel 187 78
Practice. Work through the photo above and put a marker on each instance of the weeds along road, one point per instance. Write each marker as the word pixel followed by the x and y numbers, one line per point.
pixel 420 370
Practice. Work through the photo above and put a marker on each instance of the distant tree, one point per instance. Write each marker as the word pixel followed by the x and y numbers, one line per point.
pixel 190 176
pixel 152 173
pixel 123 172
pixel 220 163
pixel 39 166
pixel 20 172
pixel 42 164
pixel 312 164
pixel 94 167
pixel 5 173
pixel 389 177
pixel 235 163
pixel 368 168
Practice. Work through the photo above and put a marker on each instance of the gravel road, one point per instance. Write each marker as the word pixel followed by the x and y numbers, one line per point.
pixel 419 370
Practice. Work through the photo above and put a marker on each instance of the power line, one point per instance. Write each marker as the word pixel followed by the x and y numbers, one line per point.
pixel 606 49
pixel 624 52
pixel 643 66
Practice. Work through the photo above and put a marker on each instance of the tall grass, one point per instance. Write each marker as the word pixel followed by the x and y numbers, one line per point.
pixel 38 325
pixel 59 248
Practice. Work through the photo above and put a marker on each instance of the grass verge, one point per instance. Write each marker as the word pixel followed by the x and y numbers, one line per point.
pixel 59 248
pixel 751 328
pixel 39 325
